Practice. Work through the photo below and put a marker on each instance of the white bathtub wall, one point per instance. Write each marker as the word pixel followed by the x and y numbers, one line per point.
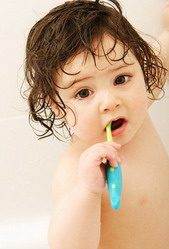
pixel 27 165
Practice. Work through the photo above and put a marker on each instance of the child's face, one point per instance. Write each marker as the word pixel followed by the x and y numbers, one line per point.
pixel 103 93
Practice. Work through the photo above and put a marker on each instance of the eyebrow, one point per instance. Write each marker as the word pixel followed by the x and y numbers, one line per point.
pixel 121 66
pixel 75 81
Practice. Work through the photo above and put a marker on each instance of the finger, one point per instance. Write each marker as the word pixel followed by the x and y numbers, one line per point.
pixel 111 155
pixel 113 144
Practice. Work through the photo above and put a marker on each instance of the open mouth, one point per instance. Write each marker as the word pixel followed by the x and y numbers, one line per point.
pixel 117 124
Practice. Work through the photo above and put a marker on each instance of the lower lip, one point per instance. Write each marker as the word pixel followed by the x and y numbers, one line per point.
pixel 120 130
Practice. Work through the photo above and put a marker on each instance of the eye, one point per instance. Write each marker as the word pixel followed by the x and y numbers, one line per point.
pixel 84 93
pixel 121 79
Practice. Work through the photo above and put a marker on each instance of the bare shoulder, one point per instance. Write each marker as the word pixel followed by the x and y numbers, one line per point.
pixel 66 174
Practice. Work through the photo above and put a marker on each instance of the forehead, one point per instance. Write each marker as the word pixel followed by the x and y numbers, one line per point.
pixel 107 54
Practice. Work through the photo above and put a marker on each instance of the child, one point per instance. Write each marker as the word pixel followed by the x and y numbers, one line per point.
pixel 87 67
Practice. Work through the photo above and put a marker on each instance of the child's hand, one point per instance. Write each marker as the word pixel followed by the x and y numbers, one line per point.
pixel 92 165
pixel 165 15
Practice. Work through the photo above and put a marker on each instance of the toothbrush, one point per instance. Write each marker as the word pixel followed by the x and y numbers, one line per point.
pixel 114 177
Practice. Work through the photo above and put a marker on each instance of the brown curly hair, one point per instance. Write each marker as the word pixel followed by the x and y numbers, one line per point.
pixel 67 29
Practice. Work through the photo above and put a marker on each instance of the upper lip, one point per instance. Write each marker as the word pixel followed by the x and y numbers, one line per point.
pixel 115 119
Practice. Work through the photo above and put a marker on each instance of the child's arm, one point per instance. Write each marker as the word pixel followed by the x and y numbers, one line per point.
pixel 163 46
pixel 75 222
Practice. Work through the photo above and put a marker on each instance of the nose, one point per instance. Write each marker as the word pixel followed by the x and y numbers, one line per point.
pixel 109 102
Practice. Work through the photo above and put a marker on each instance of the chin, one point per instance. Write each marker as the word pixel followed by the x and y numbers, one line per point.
pixel 124 139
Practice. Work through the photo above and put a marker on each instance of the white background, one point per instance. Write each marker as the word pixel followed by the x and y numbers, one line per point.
pixel 26 164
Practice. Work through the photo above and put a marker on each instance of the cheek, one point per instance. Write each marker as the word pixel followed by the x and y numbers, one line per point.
pixel 143 102
pixel 139 99
pixel 83 122
pixel 87 126
pixel 76 122
pixel 71 116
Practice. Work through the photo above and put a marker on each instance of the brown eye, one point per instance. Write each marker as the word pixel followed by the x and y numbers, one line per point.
pixel 84 93
pixel 121 79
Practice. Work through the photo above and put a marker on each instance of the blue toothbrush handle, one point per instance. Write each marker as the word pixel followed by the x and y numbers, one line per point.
pixel 114 182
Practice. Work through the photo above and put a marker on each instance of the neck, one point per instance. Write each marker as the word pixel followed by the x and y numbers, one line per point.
pixel 142 139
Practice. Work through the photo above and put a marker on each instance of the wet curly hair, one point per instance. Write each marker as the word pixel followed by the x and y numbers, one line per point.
pixel 67 29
